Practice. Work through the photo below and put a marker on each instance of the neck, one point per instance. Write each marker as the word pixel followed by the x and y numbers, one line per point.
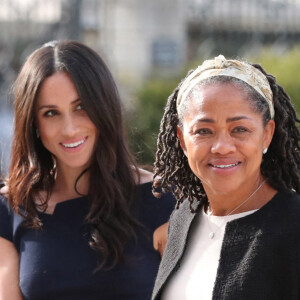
pixel 252 197
pixel 65 182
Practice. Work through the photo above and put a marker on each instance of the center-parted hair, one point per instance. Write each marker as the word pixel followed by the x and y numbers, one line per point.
pixel 280 165
pixel 32 171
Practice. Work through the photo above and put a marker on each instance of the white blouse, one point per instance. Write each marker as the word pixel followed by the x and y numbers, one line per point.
pixel 196 276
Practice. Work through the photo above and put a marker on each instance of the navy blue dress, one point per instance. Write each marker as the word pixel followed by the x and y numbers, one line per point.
pixel 56 261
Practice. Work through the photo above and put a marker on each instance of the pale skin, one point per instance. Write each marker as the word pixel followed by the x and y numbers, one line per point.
pixel 9 271
pixel 61 120
pixel 68 133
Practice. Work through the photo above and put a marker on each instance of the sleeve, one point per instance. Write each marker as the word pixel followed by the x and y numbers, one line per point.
pixel 6 218
pixel 168 203
pixel 155 211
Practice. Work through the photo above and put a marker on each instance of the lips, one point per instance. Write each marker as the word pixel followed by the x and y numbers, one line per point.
pixel 74 144
pixel 224 165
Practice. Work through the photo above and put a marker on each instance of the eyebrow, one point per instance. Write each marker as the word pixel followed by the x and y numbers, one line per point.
pixel 233 119
pixel 55 106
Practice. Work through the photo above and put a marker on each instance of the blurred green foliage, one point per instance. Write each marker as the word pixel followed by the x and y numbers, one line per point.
pixel 286 68
pixel 144 121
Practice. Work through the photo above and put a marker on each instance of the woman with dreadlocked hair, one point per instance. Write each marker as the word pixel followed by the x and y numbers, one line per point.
pixel 228 149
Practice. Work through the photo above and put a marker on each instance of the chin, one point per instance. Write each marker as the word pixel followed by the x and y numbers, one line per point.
pixel 78 165
pixel 222 188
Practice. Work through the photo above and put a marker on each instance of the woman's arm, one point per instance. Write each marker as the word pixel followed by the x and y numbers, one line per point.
pixel 160 237
pixel 9 271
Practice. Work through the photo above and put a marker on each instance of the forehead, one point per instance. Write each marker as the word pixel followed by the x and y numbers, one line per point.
pixel 217 91
pixel 217 100
pixel 57 88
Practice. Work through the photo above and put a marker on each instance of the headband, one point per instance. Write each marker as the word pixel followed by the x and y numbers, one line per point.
pixel 232 68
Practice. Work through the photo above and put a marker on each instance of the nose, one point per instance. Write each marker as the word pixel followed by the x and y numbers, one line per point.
pixel 223 144
pixel 70 126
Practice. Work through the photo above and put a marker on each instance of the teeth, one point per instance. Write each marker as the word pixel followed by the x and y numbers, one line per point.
pixel 225 166
pixel 73 145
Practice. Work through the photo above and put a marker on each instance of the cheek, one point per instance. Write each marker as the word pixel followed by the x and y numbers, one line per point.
pixel 93 129
pixel 43 125
pixel 197 153
pixel 253 145
pixel 197 148
pixel 252 155
pixel 48 133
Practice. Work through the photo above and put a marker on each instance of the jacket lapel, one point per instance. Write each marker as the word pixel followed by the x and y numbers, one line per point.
pixel 179 226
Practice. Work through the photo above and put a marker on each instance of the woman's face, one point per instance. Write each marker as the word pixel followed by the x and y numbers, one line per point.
pixel 65 128
pixel 223 138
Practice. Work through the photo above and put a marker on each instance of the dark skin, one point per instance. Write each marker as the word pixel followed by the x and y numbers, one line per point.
pixel 224 138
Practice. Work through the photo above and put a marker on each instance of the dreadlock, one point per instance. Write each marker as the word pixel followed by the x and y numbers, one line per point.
pixel 280 165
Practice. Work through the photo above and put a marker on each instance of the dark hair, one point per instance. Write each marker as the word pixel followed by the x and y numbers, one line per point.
pixel 112 183
pixel 281 164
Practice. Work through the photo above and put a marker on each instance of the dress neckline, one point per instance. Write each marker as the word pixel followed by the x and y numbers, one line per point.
pixel 64 204
pixel 71 202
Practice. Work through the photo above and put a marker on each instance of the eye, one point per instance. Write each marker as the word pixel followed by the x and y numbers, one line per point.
pixel 79 107
pixel 240 129
pixel 203 131
pixel 50 113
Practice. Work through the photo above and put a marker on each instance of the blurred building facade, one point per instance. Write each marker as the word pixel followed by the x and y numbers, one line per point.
pixel 138 38
pixel 135 37
pixel 239 27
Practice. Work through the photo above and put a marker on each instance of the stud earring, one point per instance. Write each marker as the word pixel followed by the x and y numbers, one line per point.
pixel 37 133
pixel 265 151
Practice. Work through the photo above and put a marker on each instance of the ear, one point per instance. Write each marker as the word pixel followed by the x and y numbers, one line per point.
pixel 268 133
pixel 181 140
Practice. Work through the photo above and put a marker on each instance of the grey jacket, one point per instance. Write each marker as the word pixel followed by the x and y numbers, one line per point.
pixel 260 255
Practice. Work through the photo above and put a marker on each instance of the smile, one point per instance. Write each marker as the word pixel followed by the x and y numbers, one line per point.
pixel 74 145
pixel 225 166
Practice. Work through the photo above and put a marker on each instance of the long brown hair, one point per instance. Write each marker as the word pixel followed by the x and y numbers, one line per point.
pixel 112 183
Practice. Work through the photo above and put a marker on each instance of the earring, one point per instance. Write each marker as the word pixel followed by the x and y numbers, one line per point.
pixel 37 133
pixel 265 151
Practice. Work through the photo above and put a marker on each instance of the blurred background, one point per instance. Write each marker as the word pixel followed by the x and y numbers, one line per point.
pixel 149 46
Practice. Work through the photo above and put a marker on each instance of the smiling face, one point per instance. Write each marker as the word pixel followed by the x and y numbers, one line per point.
pixel 223 138
pixel 65 128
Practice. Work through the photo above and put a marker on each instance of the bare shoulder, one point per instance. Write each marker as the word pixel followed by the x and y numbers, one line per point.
pixel 9 271
pixel 4 190
pixel 8 250
pixel 145 176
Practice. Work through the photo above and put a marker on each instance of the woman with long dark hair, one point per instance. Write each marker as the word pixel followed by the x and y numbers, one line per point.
pixel 78 216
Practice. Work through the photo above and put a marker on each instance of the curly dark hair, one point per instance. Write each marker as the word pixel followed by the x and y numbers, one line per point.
pixel 280 165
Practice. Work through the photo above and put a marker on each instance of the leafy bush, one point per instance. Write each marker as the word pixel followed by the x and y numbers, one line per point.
pixel 286 68
pixel 144 121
